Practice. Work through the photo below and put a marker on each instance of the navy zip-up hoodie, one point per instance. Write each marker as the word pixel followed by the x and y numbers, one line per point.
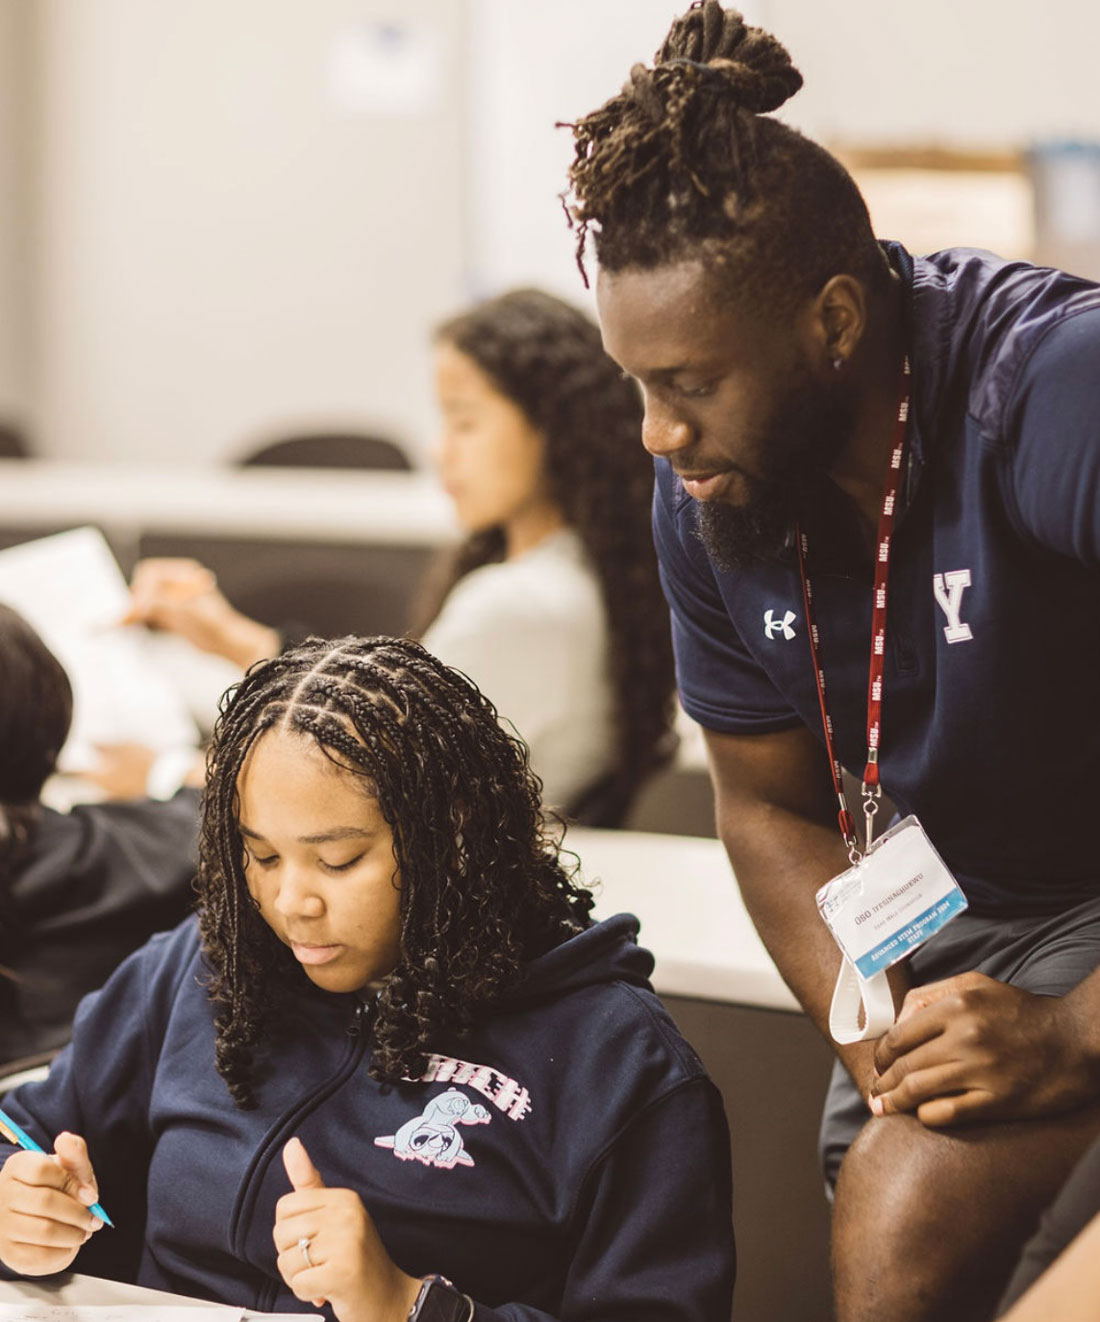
pixel 568 1159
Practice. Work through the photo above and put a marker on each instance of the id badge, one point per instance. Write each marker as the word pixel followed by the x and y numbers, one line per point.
pixel 883 908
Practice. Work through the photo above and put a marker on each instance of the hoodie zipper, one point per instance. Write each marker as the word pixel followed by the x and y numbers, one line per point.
pixel 283 1129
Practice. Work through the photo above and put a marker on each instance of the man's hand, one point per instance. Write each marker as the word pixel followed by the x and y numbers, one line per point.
pixel 351 1268
pixel 44 1201
pixel 971 1049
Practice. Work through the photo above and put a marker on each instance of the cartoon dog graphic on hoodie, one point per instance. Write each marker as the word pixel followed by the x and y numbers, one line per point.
pixel 432 1137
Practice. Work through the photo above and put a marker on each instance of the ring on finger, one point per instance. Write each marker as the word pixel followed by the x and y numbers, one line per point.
pixel 303 1246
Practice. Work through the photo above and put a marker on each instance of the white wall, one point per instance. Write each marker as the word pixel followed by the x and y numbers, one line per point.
pixel 15 140
pixel 975 73
pixel 216 248
pixel 962 72
pixel 223 249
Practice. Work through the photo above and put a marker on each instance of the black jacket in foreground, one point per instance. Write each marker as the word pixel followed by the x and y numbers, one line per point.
pixel 90 887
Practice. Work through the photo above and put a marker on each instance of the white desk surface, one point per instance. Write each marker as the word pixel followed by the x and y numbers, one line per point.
pixel 279 504
pixel 683 891
pixel 74 1289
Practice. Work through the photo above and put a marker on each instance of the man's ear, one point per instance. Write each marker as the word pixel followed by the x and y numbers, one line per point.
pixel 837 321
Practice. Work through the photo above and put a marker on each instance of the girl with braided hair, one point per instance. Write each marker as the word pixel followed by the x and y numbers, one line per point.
pixel 552 602
pixel 393 1052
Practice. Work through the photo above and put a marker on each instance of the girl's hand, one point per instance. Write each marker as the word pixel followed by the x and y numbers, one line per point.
pixel 44 1201
pixel 181 596
pixel 351 1268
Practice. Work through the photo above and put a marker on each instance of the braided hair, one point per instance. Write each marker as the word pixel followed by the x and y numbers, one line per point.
pixel 547 358
pixel 686 163
pixel 483 889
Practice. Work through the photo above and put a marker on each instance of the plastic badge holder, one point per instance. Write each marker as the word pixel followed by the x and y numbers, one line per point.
pixel 879 911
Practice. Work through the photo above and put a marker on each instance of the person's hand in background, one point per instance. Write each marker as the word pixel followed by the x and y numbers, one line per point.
pixel 182 597
pixel 134 771
pixel 121 771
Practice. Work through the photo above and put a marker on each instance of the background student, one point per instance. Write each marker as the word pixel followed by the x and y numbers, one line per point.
pixel 394 1000
pixel 78 890
pixel 552 604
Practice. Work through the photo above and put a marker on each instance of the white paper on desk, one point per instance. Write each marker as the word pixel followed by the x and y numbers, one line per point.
pixel 33 1311
pixel 199 677
pixel 70 588
pixel 281 1317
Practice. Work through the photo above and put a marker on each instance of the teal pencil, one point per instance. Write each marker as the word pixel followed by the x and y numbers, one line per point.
pixel 12 1130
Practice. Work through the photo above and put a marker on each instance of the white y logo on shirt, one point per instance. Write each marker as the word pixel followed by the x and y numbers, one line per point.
pixel 773 627
pixel 949 589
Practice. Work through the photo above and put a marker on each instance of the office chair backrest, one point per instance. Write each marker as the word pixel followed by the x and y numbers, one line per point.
pixel 330 450
pixel 13 442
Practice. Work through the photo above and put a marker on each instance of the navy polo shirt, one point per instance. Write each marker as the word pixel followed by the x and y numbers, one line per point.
pixel 991 709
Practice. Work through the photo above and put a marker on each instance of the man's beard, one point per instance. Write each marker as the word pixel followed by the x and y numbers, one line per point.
pixel 806 436
pixel 748 535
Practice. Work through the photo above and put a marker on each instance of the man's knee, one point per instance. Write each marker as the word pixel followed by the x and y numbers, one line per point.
pixel 904 1241
pixel 889 1182
pixel 907 1193
pixel 954 1206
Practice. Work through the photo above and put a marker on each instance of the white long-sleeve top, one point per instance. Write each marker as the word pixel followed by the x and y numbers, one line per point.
pixel 532 633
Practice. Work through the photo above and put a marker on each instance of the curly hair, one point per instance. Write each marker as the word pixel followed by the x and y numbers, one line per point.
pixel 547 358
pixel 483 889
pixel 685 163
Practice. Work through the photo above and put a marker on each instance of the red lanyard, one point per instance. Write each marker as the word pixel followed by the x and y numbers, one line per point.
pixel 872 790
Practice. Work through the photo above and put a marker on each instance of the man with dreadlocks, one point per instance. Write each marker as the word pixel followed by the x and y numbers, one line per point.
pixel 790 365
pixel 394 1053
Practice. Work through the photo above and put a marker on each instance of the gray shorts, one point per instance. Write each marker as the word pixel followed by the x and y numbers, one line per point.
pixel 1047 955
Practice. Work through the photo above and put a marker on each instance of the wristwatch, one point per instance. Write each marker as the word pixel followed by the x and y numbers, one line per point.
pixel 439 1301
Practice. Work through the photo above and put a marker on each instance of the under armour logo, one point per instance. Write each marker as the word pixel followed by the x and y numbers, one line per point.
pixel 773 627
pixel 949 589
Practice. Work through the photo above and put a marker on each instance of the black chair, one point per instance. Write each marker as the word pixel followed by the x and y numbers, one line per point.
pixel 330 450
pixel 13 442
pixel 601 804
pixel 329 588
pixel 325 589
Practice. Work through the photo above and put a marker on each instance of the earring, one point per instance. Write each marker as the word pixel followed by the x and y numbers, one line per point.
pixel 838 363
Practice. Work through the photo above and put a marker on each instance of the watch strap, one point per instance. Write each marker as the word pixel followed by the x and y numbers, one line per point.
pixel 439 1301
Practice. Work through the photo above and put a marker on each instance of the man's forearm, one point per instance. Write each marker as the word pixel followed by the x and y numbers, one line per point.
pixel 780 859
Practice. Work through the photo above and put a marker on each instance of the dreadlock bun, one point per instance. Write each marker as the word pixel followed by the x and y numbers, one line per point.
pixel 744 63
pixel 687 162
